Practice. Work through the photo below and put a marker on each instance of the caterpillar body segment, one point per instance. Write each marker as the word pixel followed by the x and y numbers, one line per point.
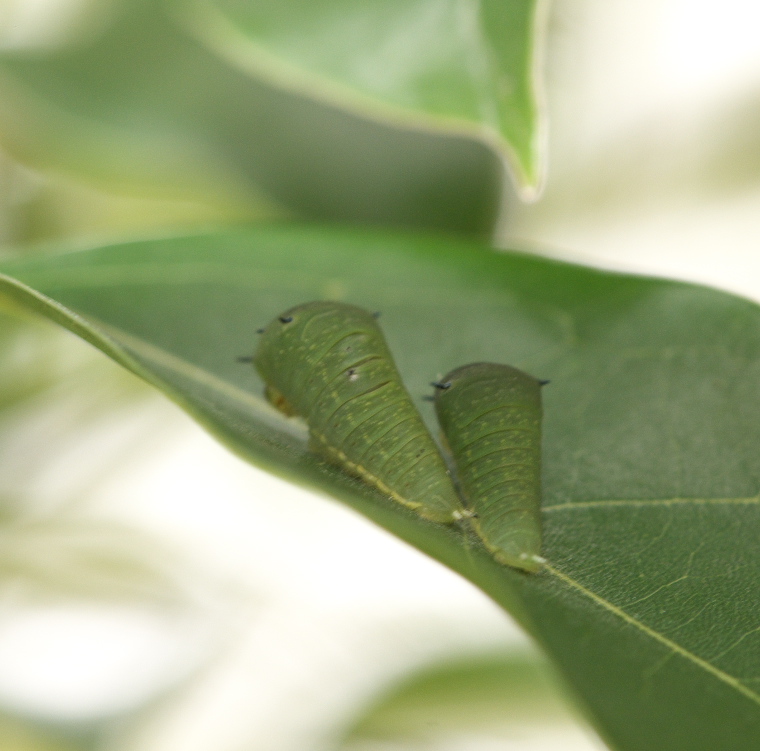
pixel 490 416
pixel 328 362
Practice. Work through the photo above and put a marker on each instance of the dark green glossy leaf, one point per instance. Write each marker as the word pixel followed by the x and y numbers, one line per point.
pixel 650 600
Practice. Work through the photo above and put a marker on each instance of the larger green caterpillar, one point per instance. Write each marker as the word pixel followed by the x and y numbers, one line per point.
pixel 328 362
pixel 490 416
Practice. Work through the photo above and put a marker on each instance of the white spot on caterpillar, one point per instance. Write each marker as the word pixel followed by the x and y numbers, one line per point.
pixel 464 513
pixel 537 558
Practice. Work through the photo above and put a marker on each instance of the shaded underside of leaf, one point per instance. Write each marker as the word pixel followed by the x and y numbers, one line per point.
pixel 457 64
pixel 650 601
pixel 144 108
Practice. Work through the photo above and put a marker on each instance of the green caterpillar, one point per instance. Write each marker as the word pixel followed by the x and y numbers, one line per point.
pixel 490 416
pixel 328 363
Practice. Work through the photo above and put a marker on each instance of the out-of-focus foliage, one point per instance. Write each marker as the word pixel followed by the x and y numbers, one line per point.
pixel 26 367
pixel 468 66
pixel 20 734
pixel 143 107
pixel 488 697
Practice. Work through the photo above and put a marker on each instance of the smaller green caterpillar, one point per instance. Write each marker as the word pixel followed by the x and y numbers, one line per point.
pixel 490 416
pixel 328 363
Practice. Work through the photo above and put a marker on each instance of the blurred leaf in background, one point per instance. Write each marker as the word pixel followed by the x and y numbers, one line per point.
pixel 143 107
pixel 444 64
pixel 23 734
pixel 505 700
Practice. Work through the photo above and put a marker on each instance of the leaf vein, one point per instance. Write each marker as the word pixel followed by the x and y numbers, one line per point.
pixel 754 500
pixel 650 632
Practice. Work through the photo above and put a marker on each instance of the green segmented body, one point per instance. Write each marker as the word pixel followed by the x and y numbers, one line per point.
pixel 491 418
pixel 328 362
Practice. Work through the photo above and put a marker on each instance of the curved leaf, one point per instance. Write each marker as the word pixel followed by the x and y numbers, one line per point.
pixel 143 107
pixel 454 64
pixel 650 601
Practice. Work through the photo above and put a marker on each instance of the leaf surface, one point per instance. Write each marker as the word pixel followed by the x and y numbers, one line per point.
pixel 650 599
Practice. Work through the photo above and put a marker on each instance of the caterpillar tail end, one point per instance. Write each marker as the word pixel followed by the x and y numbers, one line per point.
pixel 441 515
pixel 518 545
pixel 528 562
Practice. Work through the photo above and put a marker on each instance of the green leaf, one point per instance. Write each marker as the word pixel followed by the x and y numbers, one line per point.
pixel 491 695
pixel 27 367
pixel 459 66
pixel 35 734
pixel 649 603
pixel 144 108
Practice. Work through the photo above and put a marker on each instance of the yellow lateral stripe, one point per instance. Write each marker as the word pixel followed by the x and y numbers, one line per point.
pixel 364 473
